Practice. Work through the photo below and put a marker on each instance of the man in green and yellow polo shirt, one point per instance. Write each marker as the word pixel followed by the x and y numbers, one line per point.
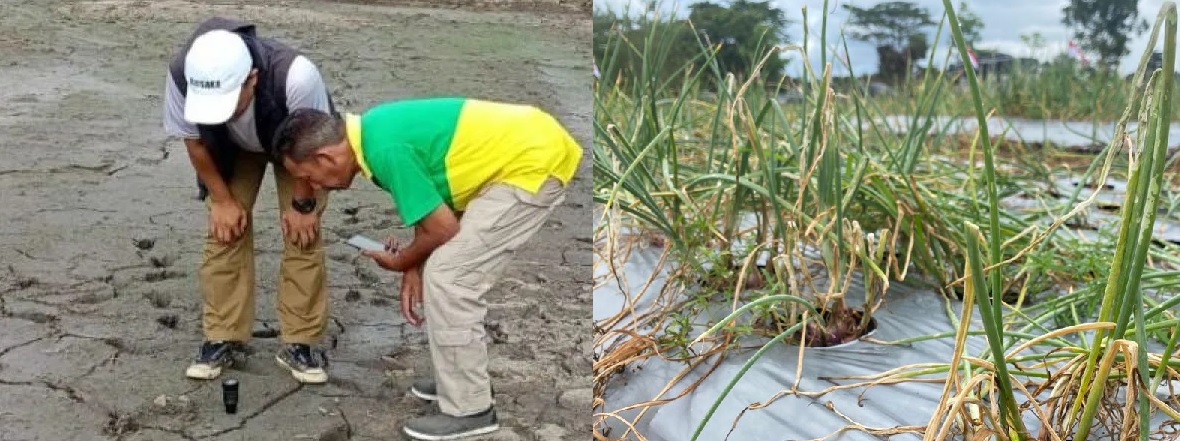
pixel 476 179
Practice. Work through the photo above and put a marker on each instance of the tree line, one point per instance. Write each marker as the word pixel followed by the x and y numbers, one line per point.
pixel 737 34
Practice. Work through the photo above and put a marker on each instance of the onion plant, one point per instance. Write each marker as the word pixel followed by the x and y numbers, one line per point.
pixel 767 210
pixel 1115 350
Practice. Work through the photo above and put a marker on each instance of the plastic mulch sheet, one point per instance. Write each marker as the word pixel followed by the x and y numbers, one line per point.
pixel 907 312
pixel 1069 134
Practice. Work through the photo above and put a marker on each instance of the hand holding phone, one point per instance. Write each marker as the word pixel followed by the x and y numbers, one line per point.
pixel 384 254
pixel 364 243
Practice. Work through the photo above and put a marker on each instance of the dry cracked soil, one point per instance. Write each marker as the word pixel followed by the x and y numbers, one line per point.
pixel 100 232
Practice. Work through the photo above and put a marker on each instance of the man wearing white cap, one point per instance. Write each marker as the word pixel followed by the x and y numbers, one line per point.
pixel 226 93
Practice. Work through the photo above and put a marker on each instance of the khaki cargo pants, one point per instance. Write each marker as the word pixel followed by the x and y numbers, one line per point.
pixel 227 271
pixel 458 274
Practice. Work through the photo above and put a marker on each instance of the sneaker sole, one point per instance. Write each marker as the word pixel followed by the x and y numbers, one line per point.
pixel 202 372
pixel 303 377
pixel 473 432
pixel 423 395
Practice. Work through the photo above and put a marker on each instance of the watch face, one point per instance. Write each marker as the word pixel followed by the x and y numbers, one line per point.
pixel 304 206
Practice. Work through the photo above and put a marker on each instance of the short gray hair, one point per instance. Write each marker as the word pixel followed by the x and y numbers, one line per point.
pixel 305 131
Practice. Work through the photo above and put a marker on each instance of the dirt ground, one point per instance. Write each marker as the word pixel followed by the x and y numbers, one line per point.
pixel 100 232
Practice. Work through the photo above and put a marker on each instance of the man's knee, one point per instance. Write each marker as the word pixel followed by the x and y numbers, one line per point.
pixel 462 347
pixel 219 254
pixel 313 253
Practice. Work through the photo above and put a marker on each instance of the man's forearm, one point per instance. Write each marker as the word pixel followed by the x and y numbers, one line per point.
pixel 415 255
pixel 431 232
pixel 424 243
pixel 207 170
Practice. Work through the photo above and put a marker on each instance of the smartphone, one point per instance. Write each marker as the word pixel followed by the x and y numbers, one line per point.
pixel 364 243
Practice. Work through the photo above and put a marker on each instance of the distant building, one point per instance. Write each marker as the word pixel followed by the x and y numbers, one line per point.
pixel 997 64
pixel 877 88
pixel 1156 61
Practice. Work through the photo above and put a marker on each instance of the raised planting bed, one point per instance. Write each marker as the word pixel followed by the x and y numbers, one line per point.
pixel 779 397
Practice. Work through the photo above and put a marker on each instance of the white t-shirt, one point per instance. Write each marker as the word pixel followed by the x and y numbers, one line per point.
pixel 305 88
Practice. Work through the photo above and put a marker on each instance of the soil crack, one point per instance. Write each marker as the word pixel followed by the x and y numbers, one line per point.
pixel 152 219
pixel 68 209
pixel 347 424
pixel 256 413
pixel 178 432
pixel 105 362
pixel 21 345
pixel 109 341
pixel 69 391
pixel 122 425
pixel 26 254
pixel 104 168
pixel 349 385
pixel 36 317
pixel 65 305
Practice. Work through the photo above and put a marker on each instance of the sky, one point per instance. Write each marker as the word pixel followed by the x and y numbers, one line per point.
pixel 1003 23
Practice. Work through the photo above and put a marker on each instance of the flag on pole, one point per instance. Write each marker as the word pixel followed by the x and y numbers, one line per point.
pixel 1076 52
pixel 974 59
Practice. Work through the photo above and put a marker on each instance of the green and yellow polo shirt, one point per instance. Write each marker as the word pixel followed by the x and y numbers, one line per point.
pixel 427 152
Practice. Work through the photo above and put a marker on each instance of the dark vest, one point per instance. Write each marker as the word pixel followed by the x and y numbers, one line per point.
pixel 273 60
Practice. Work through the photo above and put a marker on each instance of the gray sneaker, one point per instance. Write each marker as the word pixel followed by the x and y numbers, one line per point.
pixel 445 427
pixel 425 389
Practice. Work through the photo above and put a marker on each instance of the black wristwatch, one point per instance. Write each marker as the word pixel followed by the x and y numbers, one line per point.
pixel 304 206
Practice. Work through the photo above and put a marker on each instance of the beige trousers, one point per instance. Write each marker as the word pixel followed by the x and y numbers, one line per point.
pixel 458 274
pixel 227 271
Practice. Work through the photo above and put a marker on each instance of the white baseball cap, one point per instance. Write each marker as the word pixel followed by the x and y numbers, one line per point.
pixel 215 68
